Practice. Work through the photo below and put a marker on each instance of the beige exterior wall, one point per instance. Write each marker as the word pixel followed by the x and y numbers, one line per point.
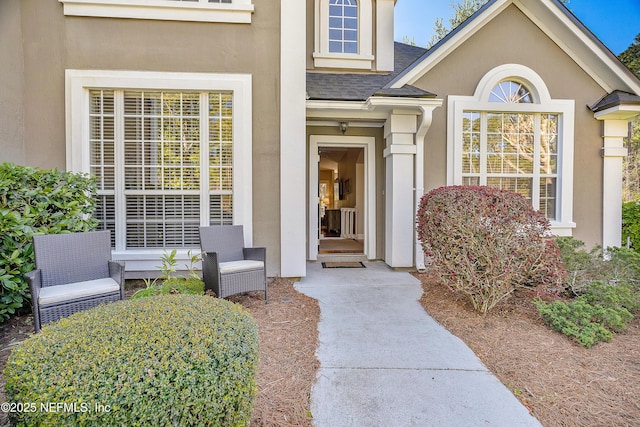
pixel 378 134
pixel 501 42
pixel 53 43
pixel 11 83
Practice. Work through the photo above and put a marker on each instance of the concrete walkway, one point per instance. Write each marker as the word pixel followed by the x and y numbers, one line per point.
pixel 385 362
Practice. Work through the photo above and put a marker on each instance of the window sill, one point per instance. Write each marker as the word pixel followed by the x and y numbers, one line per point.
pixel 349 61
pixel 561 229
pixel 238 13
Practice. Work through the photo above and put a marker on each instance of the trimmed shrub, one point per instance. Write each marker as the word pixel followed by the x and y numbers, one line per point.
pixel 631 225
pixel 592 317
pixel 577 319
pixel 166 360
pixel 622 265
pixel 34 201
pixel 487 242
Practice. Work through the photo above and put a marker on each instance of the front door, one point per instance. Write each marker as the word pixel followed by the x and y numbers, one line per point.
pixel 342 214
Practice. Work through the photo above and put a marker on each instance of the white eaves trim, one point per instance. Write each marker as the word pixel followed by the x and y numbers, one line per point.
pixel 374 108
pixel 600 64
pixel 238 12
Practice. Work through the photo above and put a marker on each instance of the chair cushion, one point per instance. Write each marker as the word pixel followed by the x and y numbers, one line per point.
pixel 60 293
pixel 237 266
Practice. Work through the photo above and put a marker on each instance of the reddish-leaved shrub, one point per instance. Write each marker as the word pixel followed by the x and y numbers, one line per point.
pixel 486 242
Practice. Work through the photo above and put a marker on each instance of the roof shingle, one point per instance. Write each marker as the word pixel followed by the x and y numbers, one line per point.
pixel 360 86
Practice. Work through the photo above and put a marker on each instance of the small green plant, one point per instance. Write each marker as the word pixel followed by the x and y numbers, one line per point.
pixel 35 201
pixel 171 360
pixel 168 283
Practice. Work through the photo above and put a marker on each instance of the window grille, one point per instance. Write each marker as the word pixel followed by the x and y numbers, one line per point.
pixel 169 163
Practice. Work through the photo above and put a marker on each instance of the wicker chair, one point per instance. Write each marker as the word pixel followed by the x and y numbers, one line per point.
pixel 228 267
pixel 73 272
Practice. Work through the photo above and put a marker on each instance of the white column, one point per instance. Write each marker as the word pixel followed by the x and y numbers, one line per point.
pixel 292 139
pixel 613 153
pixel 384 35
pixel 399 155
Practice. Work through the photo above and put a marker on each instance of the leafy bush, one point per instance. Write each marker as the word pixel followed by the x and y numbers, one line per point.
pixel 592 316
pixel 615 296
pixel 34 201
pixel 631 225
pixel 166 360
pixel 486 242
pixel 620 265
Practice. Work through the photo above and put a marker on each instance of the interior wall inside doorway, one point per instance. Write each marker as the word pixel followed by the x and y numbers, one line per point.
pixel 341 179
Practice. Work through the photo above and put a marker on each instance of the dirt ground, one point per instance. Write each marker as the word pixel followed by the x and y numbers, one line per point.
pixel 562 383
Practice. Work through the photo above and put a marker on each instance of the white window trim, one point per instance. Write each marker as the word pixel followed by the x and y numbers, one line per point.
pixel 363 59
pixel 563 225
pixel 239 11
pixel 78 84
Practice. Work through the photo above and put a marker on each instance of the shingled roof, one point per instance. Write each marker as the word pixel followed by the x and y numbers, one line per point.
pixel 615 99
pixel 360 87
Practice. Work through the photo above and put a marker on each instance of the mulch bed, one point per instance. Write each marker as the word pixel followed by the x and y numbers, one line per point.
pixel 288 341
pixel 288 328
pixel 562 383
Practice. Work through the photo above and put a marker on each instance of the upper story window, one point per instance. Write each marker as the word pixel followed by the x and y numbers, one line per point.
pixel 344 34
pixel 229 11
pixel 343 26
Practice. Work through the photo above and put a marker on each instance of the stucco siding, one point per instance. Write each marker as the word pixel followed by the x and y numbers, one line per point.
pixel 54 43
pixel 512 38
pixel 11 83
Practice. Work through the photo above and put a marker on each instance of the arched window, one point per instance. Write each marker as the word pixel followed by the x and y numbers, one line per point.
pixel 512 135
pixel 343 26
pixel 511 92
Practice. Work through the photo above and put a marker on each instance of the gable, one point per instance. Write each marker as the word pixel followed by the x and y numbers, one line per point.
pixel 557 24
pixel 510 38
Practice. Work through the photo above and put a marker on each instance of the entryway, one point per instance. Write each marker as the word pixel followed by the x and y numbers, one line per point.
pixel 341 198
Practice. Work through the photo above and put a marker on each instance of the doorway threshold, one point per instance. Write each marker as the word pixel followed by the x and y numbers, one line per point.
pixel 342 257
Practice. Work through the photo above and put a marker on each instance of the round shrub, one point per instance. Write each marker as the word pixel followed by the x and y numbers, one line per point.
pixel 487 242
pixel 166 360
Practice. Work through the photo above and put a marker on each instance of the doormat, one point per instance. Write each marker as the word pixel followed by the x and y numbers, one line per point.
pixel 350 264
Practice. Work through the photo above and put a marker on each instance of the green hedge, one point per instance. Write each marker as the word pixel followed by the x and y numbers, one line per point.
pixel 34 201
pixel 166 360
pixel 631 225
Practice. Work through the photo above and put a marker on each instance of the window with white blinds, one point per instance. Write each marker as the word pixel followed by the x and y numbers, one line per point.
pixel 163 161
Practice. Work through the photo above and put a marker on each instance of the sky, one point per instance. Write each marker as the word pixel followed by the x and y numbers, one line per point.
pixel 615 22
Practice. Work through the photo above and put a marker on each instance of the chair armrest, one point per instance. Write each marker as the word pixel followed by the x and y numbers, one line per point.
pixel 256 254
pixel 210 270
pixel 34 279
pixel 116 272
